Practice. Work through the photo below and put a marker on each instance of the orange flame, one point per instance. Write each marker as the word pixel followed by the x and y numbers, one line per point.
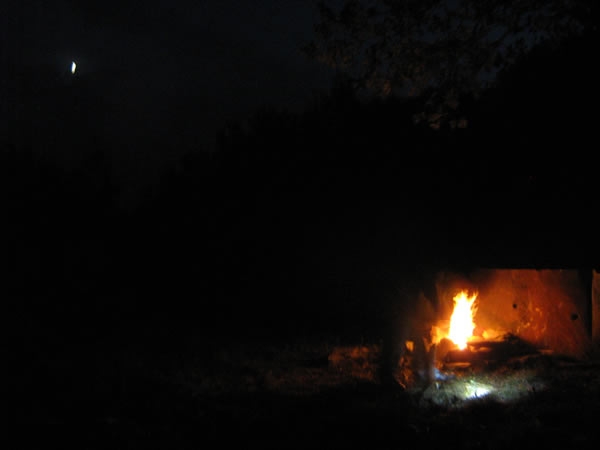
pixel 461 321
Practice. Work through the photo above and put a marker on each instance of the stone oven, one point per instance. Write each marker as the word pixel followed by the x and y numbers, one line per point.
pixel 557 310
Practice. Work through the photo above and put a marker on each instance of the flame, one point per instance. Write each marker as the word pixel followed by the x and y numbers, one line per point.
pixel 461 321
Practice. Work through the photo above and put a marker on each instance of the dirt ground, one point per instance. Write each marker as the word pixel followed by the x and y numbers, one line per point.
pixel 311 395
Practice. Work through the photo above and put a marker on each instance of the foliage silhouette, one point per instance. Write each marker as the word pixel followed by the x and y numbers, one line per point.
pixel 439 48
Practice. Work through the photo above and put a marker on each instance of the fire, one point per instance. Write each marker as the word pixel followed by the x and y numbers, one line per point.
pixel 461 321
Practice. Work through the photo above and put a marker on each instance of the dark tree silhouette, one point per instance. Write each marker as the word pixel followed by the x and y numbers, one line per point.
pixel 443 48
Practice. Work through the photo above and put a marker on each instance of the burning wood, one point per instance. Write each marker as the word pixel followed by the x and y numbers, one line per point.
pixel 461 322
pixel 459 344
pixel 501 349
pixel 459 329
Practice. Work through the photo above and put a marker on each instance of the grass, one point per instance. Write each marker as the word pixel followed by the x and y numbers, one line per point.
pixel 319 393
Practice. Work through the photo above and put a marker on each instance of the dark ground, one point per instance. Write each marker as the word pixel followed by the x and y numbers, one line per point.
pixel 195 351
pixel 158 332
pixel 197 393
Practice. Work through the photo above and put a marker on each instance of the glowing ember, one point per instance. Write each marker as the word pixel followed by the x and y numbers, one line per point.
pixel 461 322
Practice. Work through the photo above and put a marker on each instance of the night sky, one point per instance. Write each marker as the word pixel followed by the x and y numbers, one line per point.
pixel 208 117
pixel 181 68
pixel 227 57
